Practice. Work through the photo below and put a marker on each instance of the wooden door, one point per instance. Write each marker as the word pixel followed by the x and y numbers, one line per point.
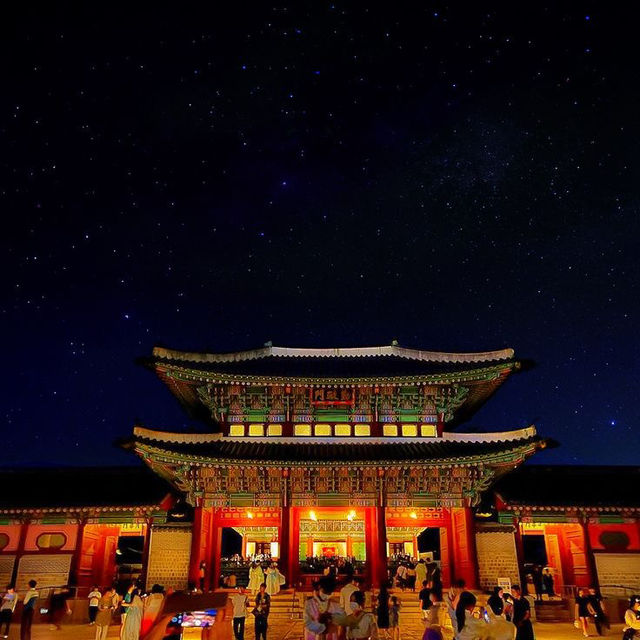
pixel 574 537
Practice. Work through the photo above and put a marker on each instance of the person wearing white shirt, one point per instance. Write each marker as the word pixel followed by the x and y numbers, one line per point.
pixel 240 603
pixel 94 598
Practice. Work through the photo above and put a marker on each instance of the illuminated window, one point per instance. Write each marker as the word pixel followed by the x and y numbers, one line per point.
pixel 256 430
pixel 362 430
pixel 302 430
pixel 409 430
pixel 236 430
pixel 342 429
pixel 4 540
pixel 51 541
pixel 275 430
pixel 390 430
pixel 428 430
pixel 322 430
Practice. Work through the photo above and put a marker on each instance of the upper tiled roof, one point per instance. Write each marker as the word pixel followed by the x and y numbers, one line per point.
pixel 383 361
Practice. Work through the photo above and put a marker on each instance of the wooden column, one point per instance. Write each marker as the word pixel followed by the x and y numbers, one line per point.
pixel 309 547
pixel 416 553
pixel 215 552
pixel 77 554
pixel 371 544
pixel 196 546
pixel 349 546
pixel 285 542
pixel 294 545
pixel 519 550
pixel 145 552
pixel 24 528
pixel 588 550
pixel 381 524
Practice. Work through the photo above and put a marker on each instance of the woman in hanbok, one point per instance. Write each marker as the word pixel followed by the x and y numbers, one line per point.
pixel 256 578
pixel 152 605
pixel 133 619
pixel 273 579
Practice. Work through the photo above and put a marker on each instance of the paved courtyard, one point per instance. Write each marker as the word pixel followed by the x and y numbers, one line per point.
pixel 292 630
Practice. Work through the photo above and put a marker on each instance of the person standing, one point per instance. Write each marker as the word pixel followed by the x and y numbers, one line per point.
pixel 632 619
pixel 346 591
pixel 521 615
pixel 383 609
pixel 28 607
pixel 425 601
pixel 273 579
pixel 322 616
pixel 597 610
pixel 582 612
pixel 394 618
pixel 106 605
pixel 152 606
pixel 8 606
pixel 240 603
pixel 421 572
pixel 133 619
pixel 256 578
pixel 547 581
pixel 94 597
pixel 261 612
pixel 360 625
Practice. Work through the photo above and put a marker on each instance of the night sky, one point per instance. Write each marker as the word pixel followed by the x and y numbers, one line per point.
pixel 456 177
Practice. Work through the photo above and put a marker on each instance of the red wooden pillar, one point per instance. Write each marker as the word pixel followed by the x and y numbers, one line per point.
pixel 464 547
pixel 381 524
pixel 24 528
pixel 284 542
pixel 215 553
pixel 519 551
pixel 592 568
pixel 294 546
pixel 77 554
pixel 145 551
pixel 196 546
pixel 371 543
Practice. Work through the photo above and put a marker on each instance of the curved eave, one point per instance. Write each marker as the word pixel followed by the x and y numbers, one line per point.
pixel 509 456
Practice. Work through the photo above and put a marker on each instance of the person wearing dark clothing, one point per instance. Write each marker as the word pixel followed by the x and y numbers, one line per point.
pixel 521 615
pixel 383 607
pixel 496 602
pixel 537 581
pixel 582 611
pixel 28 607
pixel 425 600
pixel 596 610
pixel 261 612
pixel 547 581
pixel 435 580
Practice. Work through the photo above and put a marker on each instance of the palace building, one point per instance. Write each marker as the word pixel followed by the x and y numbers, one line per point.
pixel 356 453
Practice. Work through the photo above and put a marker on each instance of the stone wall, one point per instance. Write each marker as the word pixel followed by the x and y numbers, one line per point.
pixel 169 553
pixel 50 570
pixel 496 557
pixel 618 573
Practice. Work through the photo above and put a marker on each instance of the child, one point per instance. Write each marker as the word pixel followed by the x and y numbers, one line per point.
pixel 394 618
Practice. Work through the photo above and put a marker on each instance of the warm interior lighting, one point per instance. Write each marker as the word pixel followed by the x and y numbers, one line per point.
pixel 313 516
pixel 413 515
pixel 250 515
pixel 351 516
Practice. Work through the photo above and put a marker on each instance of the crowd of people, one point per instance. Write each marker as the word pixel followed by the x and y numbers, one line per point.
pixel 133 610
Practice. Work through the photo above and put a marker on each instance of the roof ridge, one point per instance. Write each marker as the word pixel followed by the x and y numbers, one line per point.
pixel 337 352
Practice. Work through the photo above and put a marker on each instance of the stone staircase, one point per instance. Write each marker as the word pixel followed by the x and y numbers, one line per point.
pixel 553 611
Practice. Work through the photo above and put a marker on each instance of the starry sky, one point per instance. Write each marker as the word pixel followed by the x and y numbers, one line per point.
pixel 457 176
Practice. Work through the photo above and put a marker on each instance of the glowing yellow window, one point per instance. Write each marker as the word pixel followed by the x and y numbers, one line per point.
pixel 302 430
pixel 236 430
pixel 362 430
pixel 256 429
pixel 322 430
pixel 274 429
pixel 409 430
pixel 390 430
pixel 428 430
pixel 342 430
